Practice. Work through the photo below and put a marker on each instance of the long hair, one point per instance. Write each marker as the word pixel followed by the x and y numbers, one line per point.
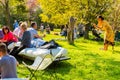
pixel 5 28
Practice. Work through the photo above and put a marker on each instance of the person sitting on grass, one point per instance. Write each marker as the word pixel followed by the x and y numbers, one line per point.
pixel 109 34
pixel 33 31
pixel 25 40
pixel 47 29
pixel 8 63
pixel 8 36
pixel 64 31
pixel 1 34
pixel 15 25
pixel 17 32
pixel 42 28
pixel 36 39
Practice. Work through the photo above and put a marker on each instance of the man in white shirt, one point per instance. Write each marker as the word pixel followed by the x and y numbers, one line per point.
pixel 33 31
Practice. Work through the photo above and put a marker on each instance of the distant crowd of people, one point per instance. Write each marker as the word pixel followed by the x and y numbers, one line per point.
pixel 45 28
pixel 64 29
pixel 102 27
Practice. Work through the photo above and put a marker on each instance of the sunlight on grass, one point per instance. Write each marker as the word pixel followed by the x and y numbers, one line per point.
pixel 87 61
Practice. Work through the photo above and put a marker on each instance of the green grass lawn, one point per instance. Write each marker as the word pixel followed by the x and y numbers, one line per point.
pixel 87 62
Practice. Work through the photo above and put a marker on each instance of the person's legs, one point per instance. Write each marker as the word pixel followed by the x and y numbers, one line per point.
pixel 107 43
pixel 13 51
pixel 16 50
pixel 112 47
pixel 20 49
pixel 112 44
pixel 106 46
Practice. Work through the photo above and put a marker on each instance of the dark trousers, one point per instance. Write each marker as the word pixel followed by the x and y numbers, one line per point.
pixel 16 50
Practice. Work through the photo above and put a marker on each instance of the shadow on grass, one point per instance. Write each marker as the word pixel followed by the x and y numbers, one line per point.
pixel 79 47
pixel 94 66
pixel 56 68
pixel 116 51
pixel 111 68
pixel 60 69
pixel 92 55
pixel 55 71
pixel 20 59
pixel 101 69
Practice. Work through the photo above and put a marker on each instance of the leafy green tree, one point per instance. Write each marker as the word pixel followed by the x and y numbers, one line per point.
pixel 60 11
pixel 18 10
pixel 9 10
pixel 114 15
pixel 6 11
pixel 93 8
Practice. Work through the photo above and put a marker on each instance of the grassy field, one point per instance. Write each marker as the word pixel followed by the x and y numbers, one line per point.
pixel 87 62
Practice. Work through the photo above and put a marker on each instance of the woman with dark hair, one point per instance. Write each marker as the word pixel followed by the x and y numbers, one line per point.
pixel 8 36
pixel 108 32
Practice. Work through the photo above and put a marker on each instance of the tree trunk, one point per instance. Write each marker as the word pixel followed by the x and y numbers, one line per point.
pixel 86 34
pixel 70 31
pixel 5 5
pixel 7 12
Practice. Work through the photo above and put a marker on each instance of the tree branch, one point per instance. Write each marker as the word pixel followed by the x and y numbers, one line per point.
pixel 2 3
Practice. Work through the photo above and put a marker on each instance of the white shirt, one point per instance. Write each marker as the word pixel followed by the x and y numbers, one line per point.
pixel 17 32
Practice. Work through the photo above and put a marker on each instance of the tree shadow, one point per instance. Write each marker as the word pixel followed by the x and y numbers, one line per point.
pixel 93 55
pixel 79 47
pixel 21 59
pixel 59 68
pixel 95 66
pixel 114 51
pixel 109 67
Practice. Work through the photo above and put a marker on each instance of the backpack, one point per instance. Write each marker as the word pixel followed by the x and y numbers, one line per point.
pixel 49 45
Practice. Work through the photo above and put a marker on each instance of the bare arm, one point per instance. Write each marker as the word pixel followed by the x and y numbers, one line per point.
pixel 96 27
pixel 37 36
pixel 17 63
pixel 3 40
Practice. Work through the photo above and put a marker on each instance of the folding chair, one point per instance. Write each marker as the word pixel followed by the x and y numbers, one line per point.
pixel 57 58
pixel 42 63
pixel 39 64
